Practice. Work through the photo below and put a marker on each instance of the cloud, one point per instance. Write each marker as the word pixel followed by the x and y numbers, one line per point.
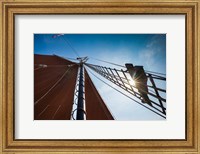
pixel 123 108
pixel 155 41
pixel 154 52
pixel 147 56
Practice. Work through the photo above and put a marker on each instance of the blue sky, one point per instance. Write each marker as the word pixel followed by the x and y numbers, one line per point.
pixel 148 50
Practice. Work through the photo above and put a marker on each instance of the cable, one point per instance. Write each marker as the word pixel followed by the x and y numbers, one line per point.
pixel 68 42
pixel 90 79
pixel 70 58
pixel 126 95
pixel 65 59
pixel 152 94
pixel 129 89
pixel 155 72
pixel 108 62
pixel 52 86
pixel 124 66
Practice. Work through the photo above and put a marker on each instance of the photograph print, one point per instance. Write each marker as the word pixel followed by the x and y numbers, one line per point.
pixel 100 77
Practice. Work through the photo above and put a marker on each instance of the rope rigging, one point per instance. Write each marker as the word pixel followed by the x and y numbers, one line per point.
pixel 70 58
pixel 138 89
pixel 70 45
pixel 107 62
pixel 150 72
pixel 128 96
pixel 67 42
pixel 142 86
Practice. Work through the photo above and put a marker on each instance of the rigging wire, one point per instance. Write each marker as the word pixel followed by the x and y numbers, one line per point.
pixel 58 48
pixel 70 45
pixel 127 95
pixel 108 62
pixel 64 58
pixel 124 80
pixel 155 72
pixel 139 94
pixel 70 58
pixel 48 49
pixel 124 66
pixel 52 87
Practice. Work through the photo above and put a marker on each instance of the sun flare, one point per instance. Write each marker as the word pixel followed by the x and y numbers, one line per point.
pixel 132 82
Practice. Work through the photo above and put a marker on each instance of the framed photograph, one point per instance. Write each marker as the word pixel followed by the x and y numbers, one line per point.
pixel 99 76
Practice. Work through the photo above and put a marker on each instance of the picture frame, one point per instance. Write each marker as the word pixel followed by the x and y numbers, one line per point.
pixel 156 7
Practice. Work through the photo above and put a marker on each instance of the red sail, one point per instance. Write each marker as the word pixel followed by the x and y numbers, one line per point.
pixel 95 106
pixel 54 85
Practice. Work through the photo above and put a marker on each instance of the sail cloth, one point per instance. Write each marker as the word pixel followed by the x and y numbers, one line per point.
pixel 96 108
pixel 53 87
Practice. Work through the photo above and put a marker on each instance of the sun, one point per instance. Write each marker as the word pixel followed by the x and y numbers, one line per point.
pixel 132 82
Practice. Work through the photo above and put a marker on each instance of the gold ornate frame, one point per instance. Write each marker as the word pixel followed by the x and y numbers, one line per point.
pixel 9 8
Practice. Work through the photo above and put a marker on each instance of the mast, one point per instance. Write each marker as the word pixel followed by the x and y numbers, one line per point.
pixel 81 113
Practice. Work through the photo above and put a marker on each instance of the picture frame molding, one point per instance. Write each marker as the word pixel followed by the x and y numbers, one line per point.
pixel 10 8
